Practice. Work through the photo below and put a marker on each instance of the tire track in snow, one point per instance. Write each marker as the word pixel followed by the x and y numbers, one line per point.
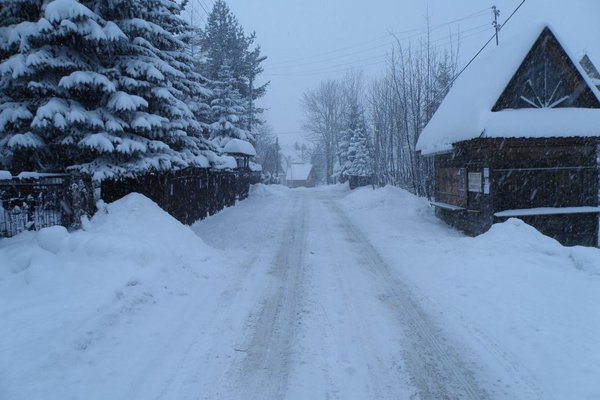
pixel 349 337
pixel 435 366
pixel 265 370
pixel 195 361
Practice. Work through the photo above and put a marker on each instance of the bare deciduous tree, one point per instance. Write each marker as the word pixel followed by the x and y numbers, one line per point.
pixel 398 105
pixel 401 104
pixel 324 111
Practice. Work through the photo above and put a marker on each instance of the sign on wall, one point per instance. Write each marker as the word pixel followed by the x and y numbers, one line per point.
pixel 475 182
pixel 486 181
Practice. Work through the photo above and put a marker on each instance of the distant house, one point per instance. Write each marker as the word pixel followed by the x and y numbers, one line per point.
pixel 298 175
pixel 517 136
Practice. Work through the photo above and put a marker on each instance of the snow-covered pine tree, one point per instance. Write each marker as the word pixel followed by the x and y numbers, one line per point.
pixel 353 122
pixel 52 81
pixel 154 66
pixel 228 111
pixel 99 85
pixel 343 162
pixel 359 152
pixel 224 42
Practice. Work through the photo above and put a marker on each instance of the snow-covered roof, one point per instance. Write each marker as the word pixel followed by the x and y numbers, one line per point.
pixel 466 112
pixel 237 146
pixel 298 172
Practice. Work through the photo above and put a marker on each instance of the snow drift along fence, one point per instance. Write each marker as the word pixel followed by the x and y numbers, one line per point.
pixel 34 201
pixel 188 195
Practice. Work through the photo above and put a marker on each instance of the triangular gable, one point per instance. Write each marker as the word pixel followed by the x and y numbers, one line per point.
pixel 547 78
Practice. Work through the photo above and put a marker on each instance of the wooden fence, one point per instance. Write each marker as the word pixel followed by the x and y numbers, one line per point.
pixel 188 195
pixel 34 201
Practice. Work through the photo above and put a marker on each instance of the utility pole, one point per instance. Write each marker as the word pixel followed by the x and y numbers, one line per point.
pixel 495 24
pixel 277 158
pixel 251 106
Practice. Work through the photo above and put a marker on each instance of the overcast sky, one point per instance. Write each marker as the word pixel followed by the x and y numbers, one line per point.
pixel 312 40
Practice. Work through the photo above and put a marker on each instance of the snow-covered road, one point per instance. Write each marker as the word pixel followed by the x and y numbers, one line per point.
pixel 300 294
pixel 315 312
pixel 334 320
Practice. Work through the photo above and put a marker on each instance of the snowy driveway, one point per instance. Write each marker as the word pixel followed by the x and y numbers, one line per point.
pixel 303 294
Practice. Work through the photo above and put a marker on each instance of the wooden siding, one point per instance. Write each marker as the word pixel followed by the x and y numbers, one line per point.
pixel 526 173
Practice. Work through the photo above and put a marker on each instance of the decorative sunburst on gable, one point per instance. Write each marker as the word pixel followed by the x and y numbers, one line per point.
pixel 547 78
pixel 545 92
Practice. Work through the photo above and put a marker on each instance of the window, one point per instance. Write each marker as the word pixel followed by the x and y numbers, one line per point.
pixel 451 186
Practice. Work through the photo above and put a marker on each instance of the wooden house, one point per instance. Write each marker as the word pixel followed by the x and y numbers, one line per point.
pixel 300 175
pixel 517 136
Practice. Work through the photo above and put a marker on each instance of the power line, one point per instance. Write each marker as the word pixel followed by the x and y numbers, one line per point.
pixel 415 32
pixel 461 36
pixel 382 59
pixel 369 50
pixel 205 7
pixel 486 44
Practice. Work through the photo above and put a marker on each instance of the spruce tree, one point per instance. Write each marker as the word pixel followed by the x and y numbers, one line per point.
pixel 154 66
pixel 224 42
pixel 228 110
pixel 353 121
pixel 53 83
pixel 359 155
pixel 100 86
pixel 359 160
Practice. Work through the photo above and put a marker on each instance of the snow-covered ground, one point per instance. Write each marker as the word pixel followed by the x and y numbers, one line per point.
pixel 296 294
pixel 525 306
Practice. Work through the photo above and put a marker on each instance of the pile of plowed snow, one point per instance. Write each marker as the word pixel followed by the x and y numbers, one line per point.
pixel 130 236
pixel 63 292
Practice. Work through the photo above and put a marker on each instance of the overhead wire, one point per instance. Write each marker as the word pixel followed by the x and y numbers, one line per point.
pixel 486 44
pixel 385 45
pixel 381 59
pixel 413 33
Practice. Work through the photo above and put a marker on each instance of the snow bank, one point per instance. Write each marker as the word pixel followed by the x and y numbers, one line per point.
pixel 138 219
pixel 516 237
pixel 62 293
pixel 402 206
pixel 132 236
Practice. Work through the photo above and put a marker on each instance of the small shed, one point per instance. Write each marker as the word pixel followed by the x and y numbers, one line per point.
pixel 517 136
pixel 241 150
pixel 300 175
